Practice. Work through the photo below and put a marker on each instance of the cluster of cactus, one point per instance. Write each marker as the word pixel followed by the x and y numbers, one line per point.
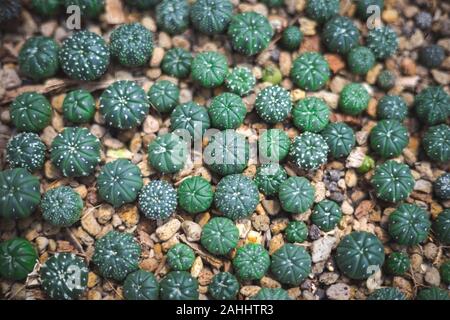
pixel 436 143
pixel 192 117
pixel 382 41
pixel 158 200
pixel 326 215
pixel 211 16
pixel 274 145
pixel 209 69
pixel 393 181
pixel 431 56
pixel 30 111
pixel 195 194
pixel 251 262
pixel 441 227
pixel 172 16
pixel 388 138
pixel 167 153
pixel 180 257
pixel 61 206
pixel 269 177
pixel 409 224
pixel 309 151
pixel 432 105
pixel 25 150
pixel 220 236
pixel 177 63
pixel 310 71
pixel 388 293
pixel 141 285
pixel 178 285
pixel 340 139
pixel 360 60
pixel 292 38
pixel 392 107
pixel 163 95
pixel 296 195
pixel 227 111
pixel 291 264
pixel 340 35
pixel 273 104
pixel 442 186
pixel 240 81
pixel 397 263
pixel 223 286
pixel 79 106
pixel 354 99
pixel 38 58
pixel 322 10
pixel 311 114
pixel 17 259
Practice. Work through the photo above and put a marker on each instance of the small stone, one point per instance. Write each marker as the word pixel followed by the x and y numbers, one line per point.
pixel 167 230
pixel 423 186
pixel 104 213
pixel 260 222
pixel 390 16
pixel 335 62
pixel 150 24
pixel 285 63
pixel 328 278
pixel 129 214
pixel 441 77
pixel 330 98
pixel 432 276
pixel 373 73
pixel 408 67
pixel 50 171
pixel 339 291
pixel 267 282
pixel 98 130
pixel 254 237
pixel 307 26
pixel 89 223
pixel 249 291
pixel 42 243
pixel 278 225
pixel 430 251
pixel 192 230
pixel 351 179
pixel 157 56
pixel 321 248
pixel 297 94
pixel 404 286
pixel 93 280
pixel 276 243
pixel 150 125
pixel 149 264
pixel 347 208
pixel 48 134
pixel 57 102
pixel 197 267
pixel 355 159
pixel 320 191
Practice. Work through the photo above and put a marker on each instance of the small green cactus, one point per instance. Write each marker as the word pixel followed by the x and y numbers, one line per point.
pixel 251 262
pixel 363 7
pixel 190 117
pixel 61 206
pixel 354 99
pixel 291 38
pixel 269 177
pixel 177 63
pixel 309 151
pixel 271 294
pixel 46 8
pixel 388 293
pixel 386 80
pixel 310 71
pixel 219 236
pixel 236 196
pixel 195 194
pixel 19 193
pixel 209 69
pixel 392 107
pixel 436 143
pixel 397 263
pixel 211 16
pixel 432 105
pixel 291 264
pixel 79 106
pixel 442 186
pixel 311 114
pixel 250 33
pixel 273 104
pixel 431 56
pixel 119 182
pixel 240 81
pixel 180 257
pixel 382 41
pixel 164 96
pixel 84 56
pixel 296 231
pixel 30 111
pixel 340 35
pixel 340 139
pixel 223 286
pixel 296 195
pixel 10 10
pixel 178 285
pixel 172 16
pixel 326 215
pixel 272 74
pixel 359 255
pixel 273 145
pixel 393 181
pixel 360 60
pixel 38 58
pixel 433 293
pixel 131 44
pixel 167 153
pixel 143 4
pixel 17 259
pixel 64 276
pixel 116 255
pixel 388 138
pixel 367 165
pixel 88 8
pixel 25 150
pixel 76 152
pixel 141 285
pixel 158 200
pixel 441 227
pixel 445 272
pixel 322 10
pixel 227 111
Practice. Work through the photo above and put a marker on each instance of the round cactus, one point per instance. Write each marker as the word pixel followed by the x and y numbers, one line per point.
pixel 84 56
pixel 164 96
pixel 367 165
pixel 227 111
pixel 340 35
pixel 119 182
pixel 172 16
pixel 158 200
pixel 61 206
pixel 431 56
pixel 116 255
pixel 354 99
pixel 397 263
pixel 88 8
pixel 269 177
pixel 364 10
pixel 227 153
pixel 141 285
pixel 296 195
pixel 388 138
pixel 309 151
pixel 386 80
pixel 167 153
pixel 436 143
pixel 251 262
pixel 250 33
pixel 195 194
pixel 143 4
pixel 25 150
pixel 274 145
pixel 76 152
pixel 271 294
pixel 291 264
pixel 46 8
pixel 30 111
pixel 326 215
pixel 392 107
pixel 124 104
pixel 359 255
pixel 445 272
pixel 240 81
pixel 273 104
pixel 131 44
pixel 38 58
pixel 441 226
pixel 223 286
pixel 180 257
pixel 178 285
pixel 311 114
pixel 310 71
pixel 432 105
pixel 64 276
pixel 433 293
pixel 360 60
pixel 177 62
pixel 296 231
pixel 393 181
pixel 382 41
pixel 409 224
pixel 340 139
pixel 190 118
pixel 211 16
pixel 19 193
pixel 10 9
pixel 322 10
pixel 17 259
pixel 272 74
pixel 209 69
pixel 442 186
pixel 236 196
pixel 79 106
pixel 292 38
pixel 219 236
pixel 387 294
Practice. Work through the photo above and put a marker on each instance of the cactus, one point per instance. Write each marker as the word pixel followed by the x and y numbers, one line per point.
pixel 432 105
pixel 386 80
pixel 89 8
pixel 64 276
pixel 445 272
pixel 79 106
pixel 178 285
pixel 442 186
pixel 180 257
pixel 388 293
pixel 363 7
pixel 236 196
pixel 46 8
pixel 273 3
pixel 269 177
pixel 30 111
pixel 192 117
pixel 223 286
pixel 131 44
pixel 431 56
pixel 141 285
pixel 177 63
pixel 340 139
pixel 274 145
pixel 296 195
pixel 273 104
pixel 211 16
pixel 441 227
pixel 311 114
pixel 172 16
pixel 272 74
pixel 227 111
pixel 116 255
pixel 17 259
pixel 359 255
pixel 76 152
pixel 38 58
pixel 84 56
pixel 251 262
pixel 310 71
pixel 382 41
pixel 250 33
pixel 340 35
pixel 326 215
pixel 291 38
pixel 296 231
pixel 209 69
pixel 167 153
pixel 119 182
pixel 25 150
pixel 354 99
pixel 367 165
pixel 322 10
pixel 271 294
pixel 388 138
pixel 392 107
pixel 393 181
pixel 219 236
pixel 433 293
pixel 158 200
pixel 436 143
pixel 360 60
pixel 164 96
pixel 195 194
pixel 240 81
pixel 61 206
pixel 397 263
pixel 9 10
pixel 309 151
pixel 19 193
pixel 291 264
pixel 409 224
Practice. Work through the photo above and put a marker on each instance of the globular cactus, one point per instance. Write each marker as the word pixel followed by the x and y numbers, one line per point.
pixel 195 194
pixel 164 95
pixel 431 56
pixel 309 151
pixel 386 80
pixel 167 153
pixel 409 224
pixel 392 107
pixel 354 99
pixel 273 145
pixel 442 186
pixel 89 8
pixel 30 111
pixel 433 293
pixel 397 263
pixel 310 71
pixel 271 294
pixel 61 206
pixel 141 285
pixel 360 60
pixel 441 227
pixel 296 195
pixel 180 257
pixel 227 111
pixel 445 272
pixel 340 139
pixel 432 105
pixel 10 9
pixel 190 117
pixel 79 106
pixel 436 143
pixel 311 114
pixel 273 104
pixel 172 16
pixel 251 262
pixel 219 236
pixel 177 63
pixel 291 38
pixel 46 8
pixel 17 259
pixel 382 41
pixel 211 16
pixel 158 200
pixel 178 285
pixel 291 264
pixel 363 7
pixel 322 10
pixel 209 69
pixel 387 293
pixel 296 231
pixel 340 35
pixel 25 150
pixel 223 286
pixel 38 58
pixel 269 177
pixel 388 138
pixel 326 215
pixel 240 81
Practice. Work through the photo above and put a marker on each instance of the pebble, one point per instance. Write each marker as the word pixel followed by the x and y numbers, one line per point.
pixel 197 267
pixel 321 248
pixel 192 230
pixel 332 99
pixel 307 26
pixel 104 213
pixel 244 226
pixel 347 208
pixel 42 243
pixel 129 215
pixel 351 179
pixel 93 280
pixel 157 56
pixel 90 224
pixel 423 186
pixel 442 77
pixel 267 282
pixel 328 278
pixel 285 63
pixel 432 276
pixel 335 62
pixel 430 251
pixel 249 291
pixel 278 225
pixel 320 191
pixel 276 243
pixel 404 286
pixel 260 222
pixel 167 230
pixel 272 207
pixel 314 232
pixel 48 134
pixel 339 291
